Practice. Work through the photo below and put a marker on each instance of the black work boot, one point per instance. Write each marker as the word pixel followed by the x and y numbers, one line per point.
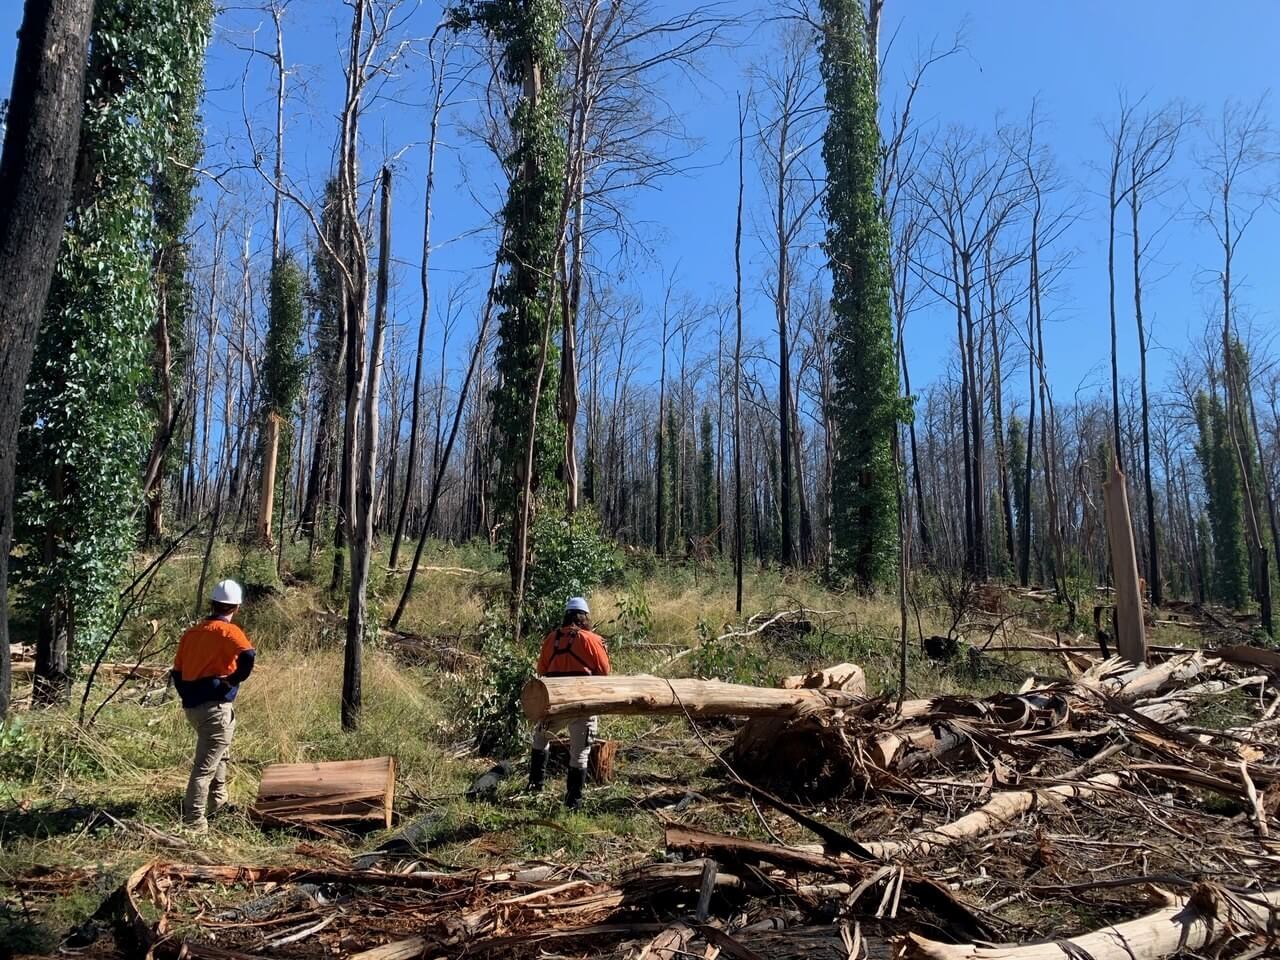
pixel 537 770
pixel 573 796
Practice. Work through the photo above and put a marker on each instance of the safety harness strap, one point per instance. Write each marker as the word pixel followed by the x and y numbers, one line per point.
pixel 558 650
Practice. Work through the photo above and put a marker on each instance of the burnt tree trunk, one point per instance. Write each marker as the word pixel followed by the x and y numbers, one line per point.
pixel 42 136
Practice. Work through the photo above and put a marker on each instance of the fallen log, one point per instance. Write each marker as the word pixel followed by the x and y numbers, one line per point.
pixel 569 698
pixel 1001 808
pixel 738 850
pixel 341 791
pixel 1118 678
pixel 1187 925
pixel 930 895
pixel 848 677
pixel 1250 656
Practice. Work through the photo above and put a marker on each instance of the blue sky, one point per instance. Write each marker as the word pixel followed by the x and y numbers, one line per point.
pixel 1075 58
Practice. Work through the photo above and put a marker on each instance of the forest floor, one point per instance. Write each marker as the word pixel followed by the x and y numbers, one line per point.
pixel 83 806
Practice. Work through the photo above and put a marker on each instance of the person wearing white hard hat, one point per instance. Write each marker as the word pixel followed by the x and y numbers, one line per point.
pixel 214 657
pixel 570 650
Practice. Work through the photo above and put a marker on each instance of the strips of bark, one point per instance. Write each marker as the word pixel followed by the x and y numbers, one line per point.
pixel 1190 924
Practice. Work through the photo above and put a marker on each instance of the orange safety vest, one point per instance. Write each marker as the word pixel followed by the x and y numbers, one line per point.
pixel 573 652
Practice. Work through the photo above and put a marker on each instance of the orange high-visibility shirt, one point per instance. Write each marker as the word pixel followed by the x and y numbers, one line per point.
pixel 573 652
pixel 210 649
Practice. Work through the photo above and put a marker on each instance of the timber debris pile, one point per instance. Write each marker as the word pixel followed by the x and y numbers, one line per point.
pixel 1098 816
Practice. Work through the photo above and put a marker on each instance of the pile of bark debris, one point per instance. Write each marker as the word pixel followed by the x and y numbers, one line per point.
pixel 1103 816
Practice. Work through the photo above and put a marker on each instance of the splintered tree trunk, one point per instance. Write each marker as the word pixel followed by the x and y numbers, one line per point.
pixel 1131 637
pixel 267 493
pixel 42 134
pixel 1186 926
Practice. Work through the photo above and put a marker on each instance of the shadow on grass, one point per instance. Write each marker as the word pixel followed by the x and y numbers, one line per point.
pixel 45 823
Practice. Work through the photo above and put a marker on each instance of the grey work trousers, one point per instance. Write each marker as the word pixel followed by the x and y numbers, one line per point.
pixel 215 724
pixel 581 734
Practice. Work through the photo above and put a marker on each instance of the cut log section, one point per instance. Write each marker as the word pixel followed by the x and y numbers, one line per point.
pixel 341 791
pixel 568 698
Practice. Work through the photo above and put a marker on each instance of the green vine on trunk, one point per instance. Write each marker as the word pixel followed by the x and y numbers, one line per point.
pixel 84 428
pixel 866 405
pixel 529 316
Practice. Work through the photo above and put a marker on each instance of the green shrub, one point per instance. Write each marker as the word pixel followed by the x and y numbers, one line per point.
pixel 635 617
pixel 570 558
pixel 727 660
pixel 19 752
pixel 493 718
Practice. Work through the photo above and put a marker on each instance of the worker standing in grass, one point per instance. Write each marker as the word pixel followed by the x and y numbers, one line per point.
pixel 214 657
pixel 570 650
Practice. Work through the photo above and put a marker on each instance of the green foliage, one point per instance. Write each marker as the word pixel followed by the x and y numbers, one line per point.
pixel 19 752
pixel 727 660
pixel 571 558
pixel 635 617
pixel 527 34
pixel 283 365
pixel 1017 466
pixel 174 185
pixel 865 403
pixel 84 431
pixel 1229 582
pixel 708 494
pixel 494 719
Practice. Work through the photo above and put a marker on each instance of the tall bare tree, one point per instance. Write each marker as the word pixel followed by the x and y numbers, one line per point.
pixel 1234 163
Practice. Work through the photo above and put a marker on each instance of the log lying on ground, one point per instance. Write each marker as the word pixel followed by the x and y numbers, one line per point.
pixel 1001 808
pixel 931 896
pixel 847 677
pixel 342 791
pixel 569 698
pixel 1189 924
pixel 1118 678
pixel 1250 656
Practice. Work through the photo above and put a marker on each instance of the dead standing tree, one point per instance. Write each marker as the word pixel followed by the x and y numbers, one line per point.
pixel 440 77
pixel 1151 151
pixel 968 193
pixel 787 111
pixel 621 137
pixel 1233 163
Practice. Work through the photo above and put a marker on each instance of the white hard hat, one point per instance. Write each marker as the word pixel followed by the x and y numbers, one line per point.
pixel 577 604
pixel 227 591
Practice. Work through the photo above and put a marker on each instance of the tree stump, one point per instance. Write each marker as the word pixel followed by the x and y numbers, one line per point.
pixel 599 764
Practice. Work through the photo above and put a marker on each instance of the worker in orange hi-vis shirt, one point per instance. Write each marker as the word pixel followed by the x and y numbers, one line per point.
pixel 214 657
pixel 570 650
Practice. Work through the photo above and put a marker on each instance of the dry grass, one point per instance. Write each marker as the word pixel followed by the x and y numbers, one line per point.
pixel 133 762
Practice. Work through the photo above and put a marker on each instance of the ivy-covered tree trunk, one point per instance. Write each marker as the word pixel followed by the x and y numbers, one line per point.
pixel 82 424
pixel 857 248
pixel 1230 565
pixel 330 361
pixel 531 444
pixel 42 132
pixel 173 188
pixel 282 370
